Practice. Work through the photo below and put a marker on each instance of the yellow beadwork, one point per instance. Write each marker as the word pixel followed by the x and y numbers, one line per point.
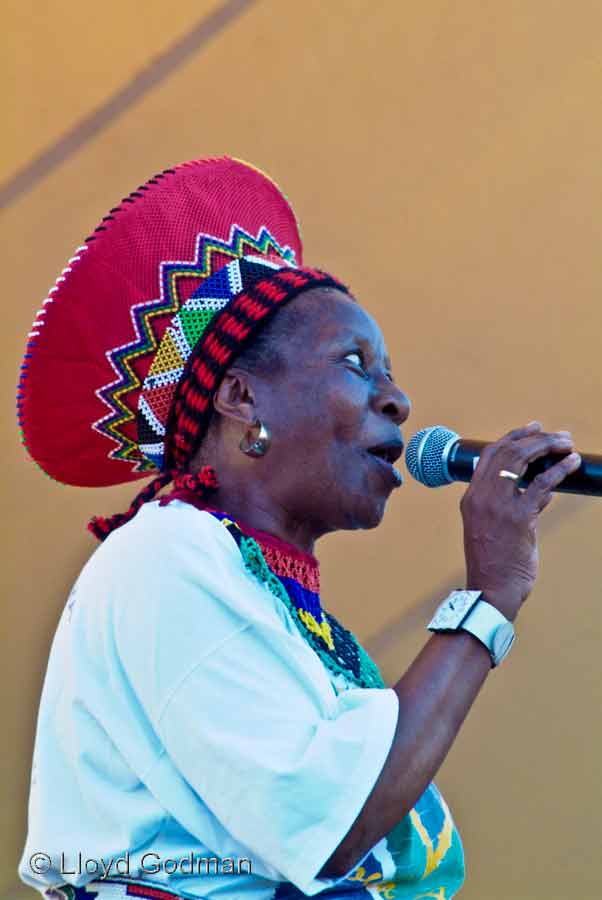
pixel 322 629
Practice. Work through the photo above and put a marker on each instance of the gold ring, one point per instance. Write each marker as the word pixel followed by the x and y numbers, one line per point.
pixel 504 473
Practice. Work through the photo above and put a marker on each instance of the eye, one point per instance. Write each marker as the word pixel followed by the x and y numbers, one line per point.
pixel 359 356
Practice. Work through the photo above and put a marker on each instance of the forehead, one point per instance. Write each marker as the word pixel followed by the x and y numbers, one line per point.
pixel 334 318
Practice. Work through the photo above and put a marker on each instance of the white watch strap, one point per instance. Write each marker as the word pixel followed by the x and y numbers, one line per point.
pixel 483 621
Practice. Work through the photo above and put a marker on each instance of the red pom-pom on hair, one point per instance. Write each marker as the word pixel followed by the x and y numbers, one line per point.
pixel 208 477
pixel 186 487
pixel 185 482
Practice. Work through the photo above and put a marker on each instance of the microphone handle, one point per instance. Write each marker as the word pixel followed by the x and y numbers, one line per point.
pixel 587 479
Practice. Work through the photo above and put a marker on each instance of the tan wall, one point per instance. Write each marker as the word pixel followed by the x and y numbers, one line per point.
pixel 444 159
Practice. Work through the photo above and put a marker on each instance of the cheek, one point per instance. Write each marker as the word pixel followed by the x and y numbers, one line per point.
pixel 338 416
pixel 319 420
pixel 340 425
pixel 348 410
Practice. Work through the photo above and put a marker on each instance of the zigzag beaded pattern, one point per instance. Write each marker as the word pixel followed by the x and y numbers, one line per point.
pixel 230 331
pixel 116 395
pixel 186 328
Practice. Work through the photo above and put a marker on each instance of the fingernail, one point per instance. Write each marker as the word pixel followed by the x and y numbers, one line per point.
pixel 573 457
pixel 531 424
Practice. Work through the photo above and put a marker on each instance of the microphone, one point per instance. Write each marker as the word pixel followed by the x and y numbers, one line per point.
pixel 436 456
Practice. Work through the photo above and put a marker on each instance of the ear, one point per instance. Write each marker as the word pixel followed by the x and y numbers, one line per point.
pixel 235 398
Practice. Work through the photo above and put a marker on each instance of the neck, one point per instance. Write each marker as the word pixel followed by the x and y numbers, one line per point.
pixel 267 541
pixel 254 510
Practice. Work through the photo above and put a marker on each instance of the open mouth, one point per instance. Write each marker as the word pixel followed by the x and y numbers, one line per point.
pixel 387 455
pixel 389 451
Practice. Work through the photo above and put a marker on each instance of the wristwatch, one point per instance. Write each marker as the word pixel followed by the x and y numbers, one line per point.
pixel 469 611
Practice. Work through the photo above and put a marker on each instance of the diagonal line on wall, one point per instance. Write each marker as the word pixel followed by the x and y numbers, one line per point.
pixel 140 85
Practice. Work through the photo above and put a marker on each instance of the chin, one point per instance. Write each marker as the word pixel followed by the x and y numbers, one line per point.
pixel 367 514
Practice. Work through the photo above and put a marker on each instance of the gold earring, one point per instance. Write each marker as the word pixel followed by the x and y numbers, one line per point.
pixel 261 444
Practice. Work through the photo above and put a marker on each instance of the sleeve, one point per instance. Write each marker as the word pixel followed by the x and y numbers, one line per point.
pixel 251 720
pixel 285 770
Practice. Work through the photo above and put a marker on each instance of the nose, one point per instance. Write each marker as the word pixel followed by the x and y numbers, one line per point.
pixel 392 402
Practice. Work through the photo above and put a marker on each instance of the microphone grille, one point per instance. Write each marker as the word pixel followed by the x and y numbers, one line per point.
pixel 426 455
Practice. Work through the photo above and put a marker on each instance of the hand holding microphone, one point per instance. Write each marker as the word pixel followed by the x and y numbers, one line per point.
pixel 437 456
pixel 500 520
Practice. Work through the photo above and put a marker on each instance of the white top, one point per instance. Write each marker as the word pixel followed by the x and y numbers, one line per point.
pixel 182 712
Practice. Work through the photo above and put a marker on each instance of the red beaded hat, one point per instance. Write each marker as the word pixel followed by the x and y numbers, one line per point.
pixel 134 337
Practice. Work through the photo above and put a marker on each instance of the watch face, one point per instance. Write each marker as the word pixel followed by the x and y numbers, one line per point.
pixel 454 608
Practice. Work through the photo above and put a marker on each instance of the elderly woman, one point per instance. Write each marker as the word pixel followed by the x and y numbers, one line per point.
pixel 206 728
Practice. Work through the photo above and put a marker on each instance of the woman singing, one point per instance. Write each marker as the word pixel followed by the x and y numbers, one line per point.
pixel 206 728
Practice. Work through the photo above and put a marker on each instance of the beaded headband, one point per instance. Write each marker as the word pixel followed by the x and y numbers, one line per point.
pixel 138 330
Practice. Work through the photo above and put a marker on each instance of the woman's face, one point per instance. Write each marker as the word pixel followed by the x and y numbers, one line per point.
pixel 334 401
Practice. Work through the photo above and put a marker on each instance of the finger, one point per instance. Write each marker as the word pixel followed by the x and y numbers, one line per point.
pixel 515 434
pixel 509 484
pixel 530 428
pixel 515 456
pixel 518 455
pixel 539 492
pixel 544 501
pixel 491 449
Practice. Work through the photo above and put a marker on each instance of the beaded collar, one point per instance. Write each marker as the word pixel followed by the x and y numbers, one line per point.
pixel 294 577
